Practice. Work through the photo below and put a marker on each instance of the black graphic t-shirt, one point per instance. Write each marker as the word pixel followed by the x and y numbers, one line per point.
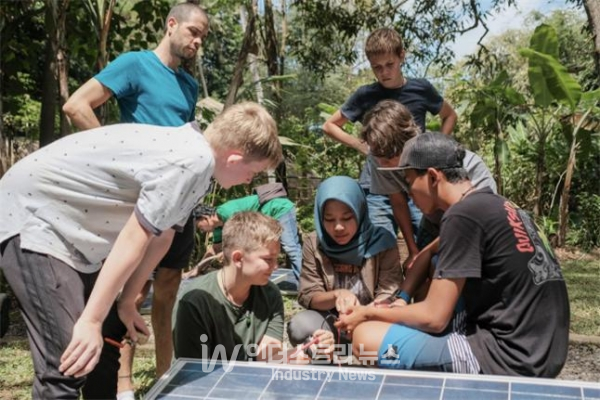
pixel 515 296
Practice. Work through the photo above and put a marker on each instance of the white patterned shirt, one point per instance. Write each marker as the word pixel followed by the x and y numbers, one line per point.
pixel 71 198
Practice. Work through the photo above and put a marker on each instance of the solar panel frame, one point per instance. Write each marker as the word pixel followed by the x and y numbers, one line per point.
pixel 336 384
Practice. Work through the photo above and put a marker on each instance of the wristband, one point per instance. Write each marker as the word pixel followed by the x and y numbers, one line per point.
pixel 404 296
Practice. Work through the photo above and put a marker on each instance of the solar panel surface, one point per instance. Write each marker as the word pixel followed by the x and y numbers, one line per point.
pixel 198 379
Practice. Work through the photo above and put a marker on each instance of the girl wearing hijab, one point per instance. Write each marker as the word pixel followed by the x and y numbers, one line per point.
pixel 346 261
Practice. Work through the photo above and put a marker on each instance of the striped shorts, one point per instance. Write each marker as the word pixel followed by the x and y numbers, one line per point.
pixel 408 348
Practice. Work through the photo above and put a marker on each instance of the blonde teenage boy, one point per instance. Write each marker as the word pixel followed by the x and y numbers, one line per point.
pixel 385 50
pixel 152 87
pixel 236 313
pixel 91 215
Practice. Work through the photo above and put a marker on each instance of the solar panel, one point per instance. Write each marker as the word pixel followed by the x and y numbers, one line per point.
pixel 201 379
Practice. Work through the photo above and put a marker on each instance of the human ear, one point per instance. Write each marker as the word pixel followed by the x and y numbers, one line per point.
pixel 171 23
pixel 433 176
pixel 402 56
pixel 236 257
pixel 234 157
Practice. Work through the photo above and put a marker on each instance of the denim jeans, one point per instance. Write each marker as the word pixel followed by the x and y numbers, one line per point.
pixel 415 217
pixel 380 211
pixel 289 241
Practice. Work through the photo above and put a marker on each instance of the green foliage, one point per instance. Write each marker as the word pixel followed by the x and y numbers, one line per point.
pixel 585 231
pixel 544 40
pixel 325 34
pixel 550 80
pixel 22 118
pixel 21 47
pixel 222 45
pixel 317 158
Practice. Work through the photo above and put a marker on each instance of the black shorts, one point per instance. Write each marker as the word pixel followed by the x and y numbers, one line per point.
pixel 180 252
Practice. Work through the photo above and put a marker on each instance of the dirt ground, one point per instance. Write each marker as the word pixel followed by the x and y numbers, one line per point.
pixel 583 362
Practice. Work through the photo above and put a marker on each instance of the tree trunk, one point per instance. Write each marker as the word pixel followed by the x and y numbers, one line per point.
pixel 4 143
pixel 102 59
pixel 498 159
pixel 62 67
pixel 283 38
pixel 592 9
pixel 201 75
pixel 563 216
pixel 273 68
pixel 238 73
pixel 539 175
pixel 252 59
pixel 49 93
pixel 272 54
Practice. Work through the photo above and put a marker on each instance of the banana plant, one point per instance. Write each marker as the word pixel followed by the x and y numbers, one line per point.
pixel 554 89
pixel 497 106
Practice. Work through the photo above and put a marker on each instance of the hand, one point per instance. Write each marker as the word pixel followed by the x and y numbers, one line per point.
pixel 408 263
pixel 345 299
pixel 383 303
pixel 132 320
pixel 83 352
pixel 424 256
pixel 349 321
pixel 325 347
pixel 208 223
pixel 398 303
pixel 192 273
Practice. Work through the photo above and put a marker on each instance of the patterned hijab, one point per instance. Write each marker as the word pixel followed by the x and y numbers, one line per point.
pixel 368 241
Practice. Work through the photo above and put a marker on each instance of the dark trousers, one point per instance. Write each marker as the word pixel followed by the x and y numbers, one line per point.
pixel 52 296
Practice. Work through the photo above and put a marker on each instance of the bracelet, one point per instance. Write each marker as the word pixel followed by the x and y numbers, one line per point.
pixel 404 296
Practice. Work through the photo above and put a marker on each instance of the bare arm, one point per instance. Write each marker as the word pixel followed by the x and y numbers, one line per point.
pixel 129 249
pixel 208 223
pixel 448 116
pixel 430 315
pixel 128 312
pixel 333 128
pixel 402 215
pixel 418 271
pixel 80 106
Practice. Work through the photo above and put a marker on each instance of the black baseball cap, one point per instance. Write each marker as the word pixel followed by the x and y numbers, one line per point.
pixel 430 150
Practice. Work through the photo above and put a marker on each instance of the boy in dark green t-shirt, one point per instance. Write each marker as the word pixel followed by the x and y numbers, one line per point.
pixel 236 313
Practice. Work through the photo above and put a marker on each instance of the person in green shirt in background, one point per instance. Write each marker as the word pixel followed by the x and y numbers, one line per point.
pixel 269 199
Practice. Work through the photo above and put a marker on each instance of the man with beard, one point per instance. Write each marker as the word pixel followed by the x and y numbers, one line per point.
pixel 151 87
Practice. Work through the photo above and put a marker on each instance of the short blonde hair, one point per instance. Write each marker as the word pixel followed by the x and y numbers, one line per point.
pixel 248 231
pixel 249 128
pixel 384 41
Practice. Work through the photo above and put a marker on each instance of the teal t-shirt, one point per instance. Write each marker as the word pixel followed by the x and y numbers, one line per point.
pixel 273 208
pixel 148 91
pixel 202 309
